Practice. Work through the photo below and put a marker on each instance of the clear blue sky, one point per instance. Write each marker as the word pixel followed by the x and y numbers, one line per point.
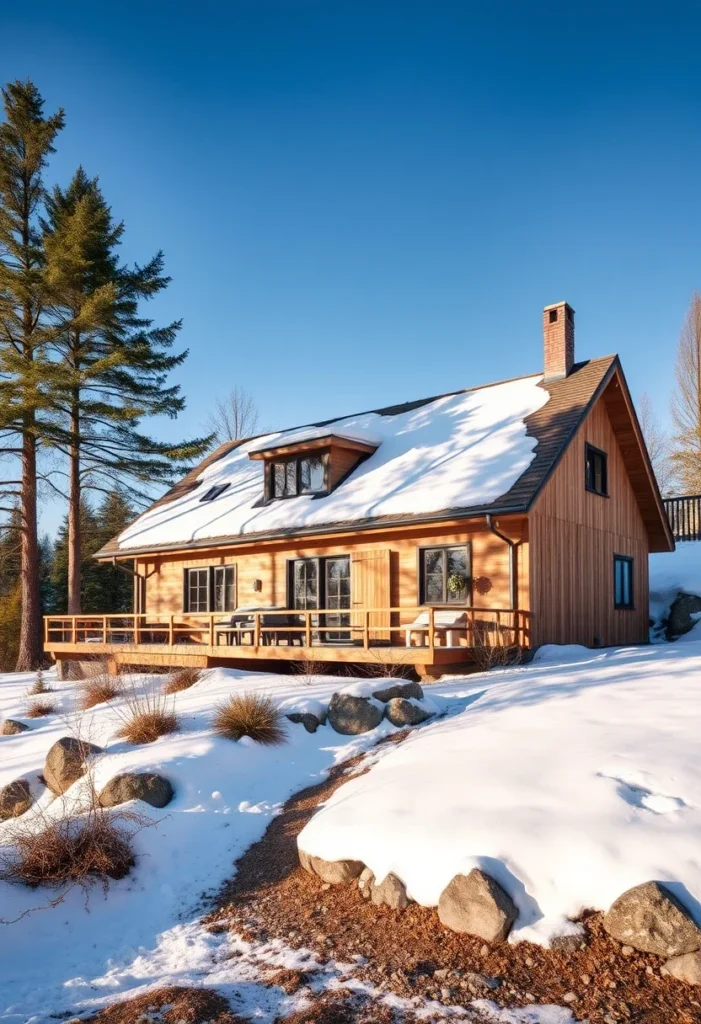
pixel 366 202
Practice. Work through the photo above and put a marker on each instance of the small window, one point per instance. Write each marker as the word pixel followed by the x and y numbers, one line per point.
pixel 595 471
pixel 311 474
pixel 224 577
pixel 304 475
pixel 197 590
pixel 444 575
pixel 214 492
pixel 284 476
pixel 622 582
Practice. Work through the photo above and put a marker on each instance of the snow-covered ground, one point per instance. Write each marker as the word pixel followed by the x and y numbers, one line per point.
pixel 569 780
pixel 73 957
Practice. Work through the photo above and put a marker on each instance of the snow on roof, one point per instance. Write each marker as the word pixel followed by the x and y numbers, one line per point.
pixel 457 451
pixel 313 434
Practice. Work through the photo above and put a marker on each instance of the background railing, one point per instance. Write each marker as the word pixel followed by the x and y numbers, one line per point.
pixel 324 628
pixel 684 515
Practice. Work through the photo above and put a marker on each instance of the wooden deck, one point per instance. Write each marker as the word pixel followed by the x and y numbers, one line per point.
pixel 381 636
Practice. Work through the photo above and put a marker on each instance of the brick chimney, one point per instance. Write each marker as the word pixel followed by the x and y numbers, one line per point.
pixel 558 341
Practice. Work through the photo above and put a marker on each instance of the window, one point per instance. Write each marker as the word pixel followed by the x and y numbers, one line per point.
pixel 622 582
pixel 197 590
pixel 210 589
pixel 214 492
pixel 444 575
pixel 224 588
pixel 311 474
pixel 305 583
pixel 595 471
pixel 304 475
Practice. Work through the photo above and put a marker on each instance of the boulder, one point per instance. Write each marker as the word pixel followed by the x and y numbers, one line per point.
pixel 684 968
pixel 649 918
pixel 310 722
pixel 401 712
pixel 478 905
pixel 15 799
pixel 66 762
pixel 147 786
pixel 11 727
pixel 399 689
pixel 681 615
pixel 366 880
pixel 335 872
pixel 353 715
pixel 389 893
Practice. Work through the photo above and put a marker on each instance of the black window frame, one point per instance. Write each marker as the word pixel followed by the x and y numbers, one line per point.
pixel 215 491
pixel 592 452
pixel 296 461
pixel 421 574
pixel 629 562
pixel 211 571
pixel 187 589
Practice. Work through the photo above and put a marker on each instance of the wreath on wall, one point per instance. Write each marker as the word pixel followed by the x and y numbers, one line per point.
pixel 456 583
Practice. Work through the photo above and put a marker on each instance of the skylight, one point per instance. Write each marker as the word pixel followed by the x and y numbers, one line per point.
pixel 214 492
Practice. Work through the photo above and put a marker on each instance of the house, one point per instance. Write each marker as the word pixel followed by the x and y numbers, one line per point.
pixel 518 513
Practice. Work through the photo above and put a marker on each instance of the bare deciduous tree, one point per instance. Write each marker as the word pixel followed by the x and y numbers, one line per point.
pixel 233 417
pixel 686 402
pixel 658 444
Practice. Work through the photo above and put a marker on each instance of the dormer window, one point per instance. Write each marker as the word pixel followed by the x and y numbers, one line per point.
pixel 303 475
pixel 314 465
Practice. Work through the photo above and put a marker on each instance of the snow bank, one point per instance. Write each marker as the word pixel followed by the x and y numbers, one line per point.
pixel 569 781
pixel 462 450
pixel 671 574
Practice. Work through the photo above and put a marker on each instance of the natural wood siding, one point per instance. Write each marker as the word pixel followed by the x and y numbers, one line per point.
pixel 574 535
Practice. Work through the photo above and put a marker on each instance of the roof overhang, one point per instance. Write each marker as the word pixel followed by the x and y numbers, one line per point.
pixel 315 444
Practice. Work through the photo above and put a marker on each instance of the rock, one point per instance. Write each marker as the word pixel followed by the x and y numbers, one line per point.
pixel 366 880
pixel 401 711
pixel 310 722
pixel 405 690
pixel 65 763
pixel 649 918
pixel 389 893
pixel 352 715
pixel 681 615
pixel 478 905
pixel 11 727
pixel 337 872
pixel 147 786
pixel 15 799
pixel 480 982
pixel 684 968
pixel 567 943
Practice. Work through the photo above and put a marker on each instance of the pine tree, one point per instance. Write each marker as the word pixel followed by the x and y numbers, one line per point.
pixel 117 362
pixel 27 375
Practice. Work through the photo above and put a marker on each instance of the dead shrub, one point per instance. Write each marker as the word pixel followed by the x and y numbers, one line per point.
pixel 39 685
pixel 40 708
pixel 250 714
pixel 97 689
pixel 491 649
pixel 145 715
pixel 181 680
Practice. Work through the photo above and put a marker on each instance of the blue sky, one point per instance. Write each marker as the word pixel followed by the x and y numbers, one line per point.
pixel 362 203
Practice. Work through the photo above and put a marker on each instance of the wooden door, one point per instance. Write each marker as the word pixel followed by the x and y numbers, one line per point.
pixel 370 588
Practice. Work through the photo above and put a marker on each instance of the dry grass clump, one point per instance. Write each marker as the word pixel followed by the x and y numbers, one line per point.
pixel 39 685
pixel 146 716
pixel 97 690
pixel 181 680
pixel 40 708
pixel 94 846
pixel 250 714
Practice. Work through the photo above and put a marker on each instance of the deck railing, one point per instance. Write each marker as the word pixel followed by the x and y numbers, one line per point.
pixel 324 628
pixel 684 515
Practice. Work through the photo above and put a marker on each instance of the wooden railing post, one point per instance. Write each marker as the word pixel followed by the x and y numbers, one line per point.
pixel 73 630
pixel 171 638
pixel 137 631
pixel 431 627
pixel 104 629
pixel 308 629
pixel 211 630
pixel 256 629
pixel 366 630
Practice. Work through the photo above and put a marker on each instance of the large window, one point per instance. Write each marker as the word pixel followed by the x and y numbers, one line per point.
pixel 210 589
pixel 444 575
pixel 595 471
pixel 303 475
pixel 305 583
pixel 622 582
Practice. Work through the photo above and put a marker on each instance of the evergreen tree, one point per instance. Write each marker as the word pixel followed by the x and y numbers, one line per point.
pixel 116 361
pixel 27 376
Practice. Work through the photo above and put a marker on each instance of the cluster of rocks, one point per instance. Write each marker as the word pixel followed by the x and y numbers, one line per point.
pixel 683 615
pixel 66 762
pixel 647 917
pixel 351 715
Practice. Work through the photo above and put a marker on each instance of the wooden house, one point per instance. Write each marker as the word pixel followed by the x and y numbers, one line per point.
pixel 518 513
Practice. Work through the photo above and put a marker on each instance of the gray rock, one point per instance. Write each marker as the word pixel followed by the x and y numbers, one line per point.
pixel 480 982
pixel 567 943
pixel 15 799
pixel 352 715
pixel 408 689
pixel 680 619
pixel 147 786
pixel 335 872
pixel 11 727
pixel 477 905
pixel 66 763
pixel 389 893
pixel 366 880
pixel 310 722
pixel 649 918
pixel 684 968
pixel 401 711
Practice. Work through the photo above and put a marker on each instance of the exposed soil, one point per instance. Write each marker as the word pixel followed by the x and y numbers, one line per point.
pixel 173 1005
pixel 411 954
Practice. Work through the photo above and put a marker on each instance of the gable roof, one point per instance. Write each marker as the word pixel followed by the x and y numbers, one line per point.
pixel 460 455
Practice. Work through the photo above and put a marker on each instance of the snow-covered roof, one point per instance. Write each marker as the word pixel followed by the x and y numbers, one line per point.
pixel 315 433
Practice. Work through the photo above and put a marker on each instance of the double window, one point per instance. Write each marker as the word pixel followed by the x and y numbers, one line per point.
pixel 595 471
pixel 210 589
pixel 444 575
pixel 623 582
pixel 302 475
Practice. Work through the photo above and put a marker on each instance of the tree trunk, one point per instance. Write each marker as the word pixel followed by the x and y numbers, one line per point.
pixel 30 653
pixel 74 539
